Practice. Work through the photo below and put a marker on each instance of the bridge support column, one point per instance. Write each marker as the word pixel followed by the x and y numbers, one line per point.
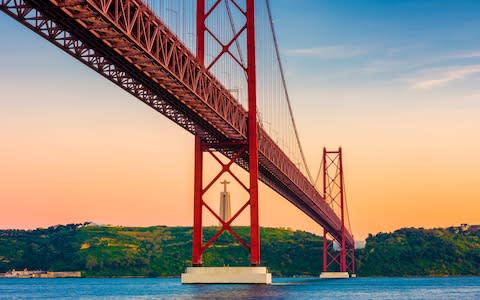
pixel 197 205
pixel 246 152
pixel 252 135
pixel 199 274
pixel 341 256
pixel 325 253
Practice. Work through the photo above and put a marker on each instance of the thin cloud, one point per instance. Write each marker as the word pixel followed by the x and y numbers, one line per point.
pixel 402 49
pixel 441 77
pixel 382 66
pixel 474 96
pixel 327 52
pixel 462 55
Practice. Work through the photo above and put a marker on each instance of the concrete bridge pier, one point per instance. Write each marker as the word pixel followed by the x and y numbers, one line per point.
pixel 233 275
pixel 334 275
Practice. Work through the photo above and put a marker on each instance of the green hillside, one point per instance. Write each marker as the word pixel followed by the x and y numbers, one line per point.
pixel 150 251
pixel 166 251
pixel 415 252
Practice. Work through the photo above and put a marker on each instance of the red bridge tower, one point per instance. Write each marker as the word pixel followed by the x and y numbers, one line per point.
pixel 238 149
pixel 334 194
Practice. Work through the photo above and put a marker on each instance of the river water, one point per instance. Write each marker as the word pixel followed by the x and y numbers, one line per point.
pixel 282 288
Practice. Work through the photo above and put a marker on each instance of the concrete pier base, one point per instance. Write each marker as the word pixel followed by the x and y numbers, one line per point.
pixel 334 275
pixel 254 275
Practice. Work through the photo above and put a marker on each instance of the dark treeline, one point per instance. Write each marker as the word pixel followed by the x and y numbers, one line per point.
pixel 422 252
pixel 165 251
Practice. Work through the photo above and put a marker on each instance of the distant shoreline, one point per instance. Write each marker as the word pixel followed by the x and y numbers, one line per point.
pixel 165 252
pixel 278 277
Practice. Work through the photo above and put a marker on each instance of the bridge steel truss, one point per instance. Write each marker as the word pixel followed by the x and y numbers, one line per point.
pixel 125 42
pixel 334 194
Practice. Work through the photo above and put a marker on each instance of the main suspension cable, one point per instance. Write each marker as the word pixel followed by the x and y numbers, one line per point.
pixel 284 83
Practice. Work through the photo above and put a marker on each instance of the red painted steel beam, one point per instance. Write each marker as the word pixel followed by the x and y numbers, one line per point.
pixel 325 265
pixel 252 134
pixel 197 239
pixel 343 250
pixel 334 193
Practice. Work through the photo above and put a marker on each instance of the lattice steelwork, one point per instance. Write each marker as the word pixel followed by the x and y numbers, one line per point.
pixel 334 193
pixel 226 58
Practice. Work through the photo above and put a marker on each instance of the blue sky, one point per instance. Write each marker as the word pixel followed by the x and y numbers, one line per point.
pixel 416 44
pixel 421 47
pixel 382 57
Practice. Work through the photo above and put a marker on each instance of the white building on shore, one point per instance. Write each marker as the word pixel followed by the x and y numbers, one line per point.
pixel 25 273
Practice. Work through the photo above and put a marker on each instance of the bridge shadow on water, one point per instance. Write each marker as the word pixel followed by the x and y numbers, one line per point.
pixel 280 288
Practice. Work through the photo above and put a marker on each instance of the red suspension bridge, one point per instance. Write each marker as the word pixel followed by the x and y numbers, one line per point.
pixel 231 95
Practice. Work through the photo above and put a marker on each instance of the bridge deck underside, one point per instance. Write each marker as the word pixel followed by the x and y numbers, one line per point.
pixel 125 42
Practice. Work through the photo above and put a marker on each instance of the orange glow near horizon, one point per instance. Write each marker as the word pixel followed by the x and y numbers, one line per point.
pixel 132 167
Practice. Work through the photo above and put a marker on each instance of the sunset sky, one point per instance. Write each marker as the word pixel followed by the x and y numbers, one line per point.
pixel 395 83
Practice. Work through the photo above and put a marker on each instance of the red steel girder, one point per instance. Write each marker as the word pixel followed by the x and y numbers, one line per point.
pixel 198 246
pixel 225 224
pixel 332 258
pixel 251 144
pixel 94 56
pixel 334 194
